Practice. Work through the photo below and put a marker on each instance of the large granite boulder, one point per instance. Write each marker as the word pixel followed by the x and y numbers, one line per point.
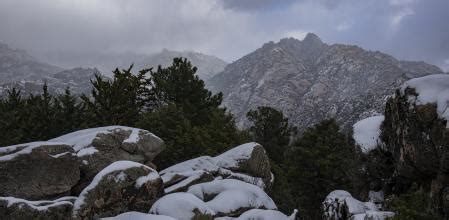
pixel 249 158
pixel 247 162
pixel 96 148
pixel 120 187
pixel 416 134
pixel 20 209
pixel 38 170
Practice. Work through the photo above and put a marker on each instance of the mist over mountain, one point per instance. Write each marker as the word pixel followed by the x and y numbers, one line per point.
pixel 310 80
pixel 107 62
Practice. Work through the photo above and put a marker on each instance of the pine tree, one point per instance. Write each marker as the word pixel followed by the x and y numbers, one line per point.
pixel 39 117
pixel 322 160
pixel 178 84
pixel 119 101
pixel 69 112
pixel 12 108
pixel 187 116
pixel 271 129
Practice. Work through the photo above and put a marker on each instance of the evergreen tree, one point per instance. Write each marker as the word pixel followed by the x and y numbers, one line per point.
pixel 12 108
pixel 271 129
pixel 119 101
pixel 39 117
pixel 69 113
pixel 322 160
pixel 187 116
pixel 178 84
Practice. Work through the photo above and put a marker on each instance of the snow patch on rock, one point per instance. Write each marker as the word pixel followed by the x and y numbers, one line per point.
pixel 367 133
pixel 180 206
pixel 116 166
pixel 138 216
pixel 431 89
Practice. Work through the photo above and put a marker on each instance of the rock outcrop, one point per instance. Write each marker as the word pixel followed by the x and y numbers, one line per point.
pixel 19 209
pixel 38 170
pixel 228 186
pixel 340 205
pixel 247 162
pixel 416 134
pixel 120 187
pixel 311 81
pixel 96 148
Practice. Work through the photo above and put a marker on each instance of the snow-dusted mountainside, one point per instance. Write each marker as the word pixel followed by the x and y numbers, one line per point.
pixel 16 65
pixel 77 80
pixel 310 80
pixel 207 65
pixel 20 70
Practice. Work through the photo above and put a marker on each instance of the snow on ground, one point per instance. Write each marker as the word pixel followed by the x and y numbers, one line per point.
pixel 431 89
pixel 40 205
pixel 180 206
pixel 231 158
pixel 25 149
pixel 231 195
pixel 367 132
pixel 116 166
pixel 138 216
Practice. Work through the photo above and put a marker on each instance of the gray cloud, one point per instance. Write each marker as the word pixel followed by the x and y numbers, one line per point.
pixel 408 29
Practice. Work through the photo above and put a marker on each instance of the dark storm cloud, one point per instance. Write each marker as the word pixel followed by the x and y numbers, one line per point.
pixel 407 29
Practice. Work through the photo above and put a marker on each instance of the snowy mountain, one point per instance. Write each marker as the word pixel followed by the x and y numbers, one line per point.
pixel 310 80
pixel 16 65
pixel 207 65
pixel 20 70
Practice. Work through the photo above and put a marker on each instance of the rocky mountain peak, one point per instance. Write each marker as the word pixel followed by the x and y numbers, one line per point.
pixel 312 39
pixel 311 81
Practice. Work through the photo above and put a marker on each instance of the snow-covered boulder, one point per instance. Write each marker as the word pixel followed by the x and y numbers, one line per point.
pixel 249 158
pixel 138 216
pixel 367 133
pixel 15 209
pixel 182 206
pixel 247 162
pixel 230 197
pixel 182 175
pixel 340 205
pixel 120 187
pixel 38 170
pixel 262 214
pixel 96 148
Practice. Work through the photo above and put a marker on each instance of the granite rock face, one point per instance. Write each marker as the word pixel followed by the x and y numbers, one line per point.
pixel 38 170
pixel 120 187
pixel 19 209
pixel 96 148
pixel 417 137
pixel 310 81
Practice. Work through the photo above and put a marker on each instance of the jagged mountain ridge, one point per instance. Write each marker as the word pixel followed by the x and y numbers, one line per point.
pixel 20 70
pixel 310 81
pixel 207 65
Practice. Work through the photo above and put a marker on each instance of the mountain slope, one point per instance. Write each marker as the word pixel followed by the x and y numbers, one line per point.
pixel 16 65
pixel 310 80
pixel 207 65
pixel 20 70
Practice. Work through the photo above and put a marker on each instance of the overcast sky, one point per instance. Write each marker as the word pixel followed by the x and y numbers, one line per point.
pixel 229 29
